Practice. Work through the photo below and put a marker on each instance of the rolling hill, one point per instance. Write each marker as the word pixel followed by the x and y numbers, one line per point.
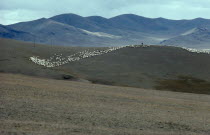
pixel 141 66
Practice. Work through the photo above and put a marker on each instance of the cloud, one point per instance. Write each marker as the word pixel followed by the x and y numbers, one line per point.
pixel 12 11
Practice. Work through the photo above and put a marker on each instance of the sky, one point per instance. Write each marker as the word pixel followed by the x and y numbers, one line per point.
pixel 13 11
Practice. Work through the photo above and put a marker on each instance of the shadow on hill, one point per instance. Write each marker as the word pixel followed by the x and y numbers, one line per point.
pixel 184 84
pixel 100 81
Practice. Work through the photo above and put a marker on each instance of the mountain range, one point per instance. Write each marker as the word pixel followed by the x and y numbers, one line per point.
pixel 75 30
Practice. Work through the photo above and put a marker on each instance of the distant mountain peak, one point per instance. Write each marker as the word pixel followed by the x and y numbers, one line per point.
pixel 128 16
pixel 68 14
pixel 199 18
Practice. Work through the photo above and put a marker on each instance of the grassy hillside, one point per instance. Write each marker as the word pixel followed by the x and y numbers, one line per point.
pixel 34 106
pixel 145 67
pixel 185 84
pixel 14 58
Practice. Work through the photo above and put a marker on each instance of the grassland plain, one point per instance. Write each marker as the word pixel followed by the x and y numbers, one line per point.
pixel 38 106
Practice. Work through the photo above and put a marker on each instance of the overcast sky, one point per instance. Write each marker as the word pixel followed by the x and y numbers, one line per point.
pixel 13 11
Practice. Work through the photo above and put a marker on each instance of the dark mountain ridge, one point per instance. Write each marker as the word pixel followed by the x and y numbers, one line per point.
pixel 129 28
pixel 7 32
pixel 49 31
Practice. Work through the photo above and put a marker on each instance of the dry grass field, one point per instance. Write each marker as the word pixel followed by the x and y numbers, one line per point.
pixel 38 106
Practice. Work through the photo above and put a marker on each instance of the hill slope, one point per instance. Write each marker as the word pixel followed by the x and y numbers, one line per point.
pixel 7 32
pixel 48 31
pixel 14 58
pixel 45 106
pixel 144 66
pixel 195 38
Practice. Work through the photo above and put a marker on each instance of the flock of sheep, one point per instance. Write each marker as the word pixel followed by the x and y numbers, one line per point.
pixel 58 60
